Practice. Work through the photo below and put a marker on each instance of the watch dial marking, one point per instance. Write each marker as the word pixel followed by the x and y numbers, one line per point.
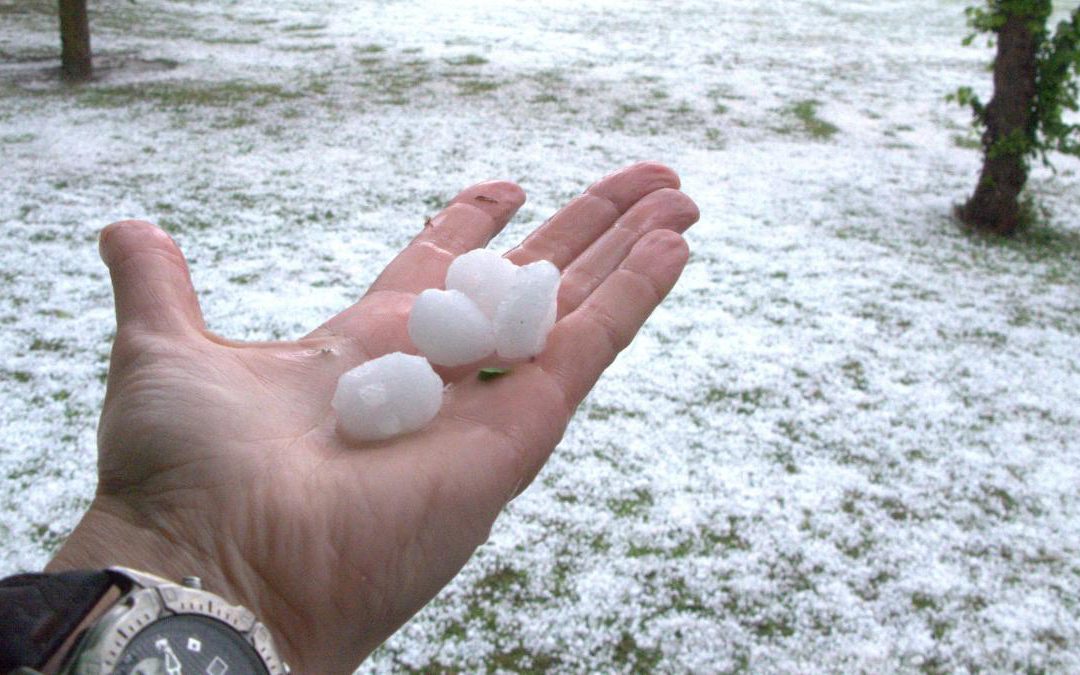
pixel 189 644
pixel 217 667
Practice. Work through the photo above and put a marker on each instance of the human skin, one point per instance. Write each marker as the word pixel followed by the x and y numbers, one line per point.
pixel 221 458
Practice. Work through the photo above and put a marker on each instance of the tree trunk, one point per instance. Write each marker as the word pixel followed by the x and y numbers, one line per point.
pixel 995 205
pixel 75 41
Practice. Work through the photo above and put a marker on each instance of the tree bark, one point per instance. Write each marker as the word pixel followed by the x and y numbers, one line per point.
pixel 995 205
pixel 75 41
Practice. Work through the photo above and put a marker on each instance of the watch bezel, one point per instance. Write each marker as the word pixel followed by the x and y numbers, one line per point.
pixel 152 599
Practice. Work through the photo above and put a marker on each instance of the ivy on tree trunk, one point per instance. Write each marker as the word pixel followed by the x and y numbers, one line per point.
pixel 1008 118
pixel 75 58
pixel 1035 86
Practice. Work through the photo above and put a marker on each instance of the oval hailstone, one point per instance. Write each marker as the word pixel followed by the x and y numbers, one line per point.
pixel 449 328
pixel 484 276
pixel 526 315
pixel 391 395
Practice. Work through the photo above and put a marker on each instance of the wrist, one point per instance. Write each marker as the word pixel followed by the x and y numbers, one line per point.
pixel 110 534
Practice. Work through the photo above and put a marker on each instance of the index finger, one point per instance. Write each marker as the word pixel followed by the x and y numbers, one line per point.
pixel 469 221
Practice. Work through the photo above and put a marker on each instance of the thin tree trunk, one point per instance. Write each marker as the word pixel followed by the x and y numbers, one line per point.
pixel 995 205
pixel 75 40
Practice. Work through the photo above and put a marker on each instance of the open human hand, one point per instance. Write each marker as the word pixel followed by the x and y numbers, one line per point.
pixel 221 458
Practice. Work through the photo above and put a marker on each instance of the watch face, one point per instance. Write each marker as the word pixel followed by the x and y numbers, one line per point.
pixel 189 645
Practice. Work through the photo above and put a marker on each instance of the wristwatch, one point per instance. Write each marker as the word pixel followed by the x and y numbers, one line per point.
pixel 155 627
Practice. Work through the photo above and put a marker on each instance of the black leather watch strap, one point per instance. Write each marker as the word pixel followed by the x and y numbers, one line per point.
pixel 38 611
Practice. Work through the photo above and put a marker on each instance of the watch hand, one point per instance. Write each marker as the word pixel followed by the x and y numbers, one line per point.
pixel 172 664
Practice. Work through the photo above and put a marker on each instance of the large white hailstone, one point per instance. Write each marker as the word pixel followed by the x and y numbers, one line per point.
pixel 526 315
pixel 449 329
pixel 484 276
pixel 391 395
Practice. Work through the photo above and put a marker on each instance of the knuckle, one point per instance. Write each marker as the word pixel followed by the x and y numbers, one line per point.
pixel 646 285
pixel 609 328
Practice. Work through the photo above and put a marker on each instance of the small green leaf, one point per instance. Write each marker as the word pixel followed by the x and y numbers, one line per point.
pixel 486 374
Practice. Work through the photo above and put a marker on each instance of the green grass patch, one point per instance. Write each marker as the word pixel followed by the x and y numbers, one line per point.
pixel 806 114
pixel 20 376
pixel 605 412
pixel 476 87
pixel 47 538
pixel 678 552
pixel 24 8
pixel 923 601
pixel 1038 240
pixel 244 279
pixel 503 581
pixel 467 60
pixel 303 27
pixel 967 142
pixel 47 345
pixel 630 655
pixel 522 660
pixel 501 587
pixel 303 49
pixel 232 40
pixel 185 223
pixel 744 401
pixel 183 95
pixel 391 82
pixel 683 108
pixel 685 601
pixel 727 539
pixel 634 505
pixel 856 374
pixel 771 628
pixel 237 121
pixel 714 138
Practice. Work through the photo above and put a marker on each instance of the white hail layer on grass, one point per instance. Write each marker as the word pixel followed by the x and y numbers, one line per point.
pixel 847 441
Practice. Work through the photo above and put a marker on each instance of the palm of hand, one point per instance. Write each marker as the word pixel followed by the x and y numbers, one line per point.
pixel 234 448
pixel 227 452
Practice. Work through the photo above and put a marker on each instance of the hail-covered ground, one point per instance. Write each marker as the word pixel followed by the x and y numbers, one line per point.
pixel 849 440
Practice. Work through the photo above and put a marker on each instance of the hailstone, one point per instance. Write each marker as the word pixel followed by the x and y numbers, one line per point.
pixel 385 397
pixel 449 328
pixel 527 313
pixel 491 306
pixel 484 276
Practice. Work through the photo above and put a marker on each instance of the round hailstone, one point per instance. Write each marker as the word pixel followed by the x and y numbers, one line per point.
pixel 449 329
pixel 391 395
pixel 527 314
pixel 484 276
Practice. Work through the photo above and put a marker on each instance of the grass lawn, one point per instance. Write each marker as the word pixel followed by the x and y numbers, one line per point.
pixel 850 440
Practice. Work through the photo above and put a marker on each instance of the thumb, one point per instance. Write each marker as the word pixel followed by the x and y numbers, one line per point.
pixel 150 278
